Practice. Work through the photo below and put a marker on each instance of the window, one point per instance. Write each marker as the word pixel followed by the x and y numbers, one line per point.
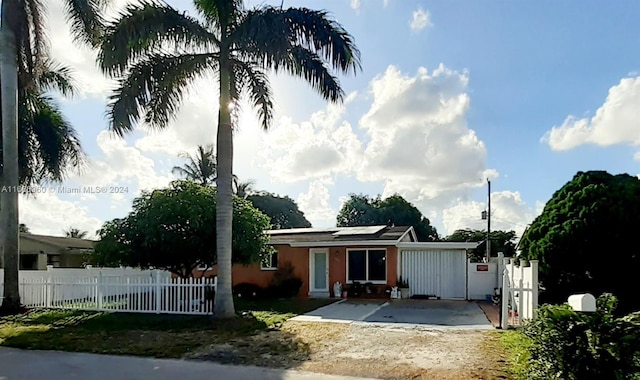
pixel 269 262
pixel 367 265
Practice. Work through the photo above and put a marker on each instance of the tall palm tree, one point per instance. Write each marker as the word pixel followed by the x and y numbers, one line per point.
pixel 75 233
pixel 158 52
pixel 23 63
pixel 201 168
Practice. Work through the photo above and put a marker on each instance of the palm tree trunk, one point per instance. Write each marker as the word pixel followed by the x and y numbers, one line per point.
pixel 223 305
pixel 9 199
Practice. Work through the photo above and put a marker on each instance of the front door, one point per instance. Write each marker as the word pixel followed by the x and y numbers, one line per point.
pixel 319 272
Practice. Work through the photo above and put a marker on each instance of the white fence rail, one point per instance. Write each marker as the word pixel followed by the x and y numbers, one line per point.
pixel 115 289
pixel 520 292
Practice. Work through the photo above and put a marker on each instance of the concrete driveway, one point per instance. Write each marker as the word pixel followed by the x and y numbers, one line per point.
pixel 425 313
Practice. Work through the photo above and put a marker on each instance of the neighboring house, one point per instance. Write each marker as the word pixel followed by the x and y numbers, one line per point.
pixel 38 251
pixel 377 255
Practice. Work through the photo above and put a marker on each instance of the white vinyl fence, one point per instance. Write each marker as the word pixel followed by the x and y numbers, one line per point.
pixel 115 289
pixel 520 292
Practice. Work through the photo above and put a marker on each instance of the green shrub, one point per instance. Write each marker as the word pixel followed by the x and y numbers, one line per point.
pixel 285 283
pixel 574 346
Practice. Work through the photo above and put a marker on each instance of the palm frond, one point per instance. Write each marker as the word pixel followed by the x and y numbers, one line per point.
pixel 308 65
pixel 57 77
pixel 256 83
pixel 86 20
pixel 48 145
pixel 155 86
pixel 147 27
pixel 37 35
pixel 202 167
pixel 270 32
pixel 220 14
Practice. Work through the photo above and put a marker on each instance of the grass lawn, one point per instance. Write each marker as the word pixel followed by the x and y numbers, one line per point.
pixel 162 336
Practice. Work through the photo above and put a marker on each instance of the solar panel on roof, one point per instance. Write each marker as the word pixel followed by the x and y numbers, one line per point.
pixel 363 230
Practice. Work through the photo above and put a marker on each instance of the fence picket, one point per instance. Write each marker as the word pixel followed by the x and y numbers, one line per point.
pixel 114 289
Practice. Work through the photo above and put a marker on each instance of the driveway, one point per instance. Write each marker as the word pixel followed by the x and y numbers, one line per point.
pixel 434 313
pixel 53 365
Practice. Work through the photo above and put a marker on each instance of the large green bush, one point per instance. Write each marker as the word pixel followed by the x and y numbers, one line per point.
pixel 570 345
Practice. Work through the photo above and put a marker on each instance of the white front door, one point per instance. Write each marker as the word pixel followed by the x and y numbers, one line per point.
pixel 319 271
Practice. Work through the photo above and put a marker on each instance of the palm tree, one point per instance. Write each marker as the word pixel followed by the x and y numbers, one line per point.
pixel 158 52
pixel 75 233
pixel 243 189
pixel 201 168
pixel 24 66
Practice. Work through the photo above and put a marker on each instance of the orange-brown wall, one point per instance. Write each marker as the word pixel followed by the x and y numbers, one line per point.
pixel 299 257
pixel 338 264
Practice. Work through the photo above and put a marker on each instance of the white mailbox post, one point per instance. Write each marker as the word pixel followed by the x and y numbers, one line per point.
pixel 583 302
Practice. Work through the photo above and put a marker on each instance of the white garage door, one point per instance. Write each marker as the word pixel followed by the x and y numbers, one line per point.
pixel 435 272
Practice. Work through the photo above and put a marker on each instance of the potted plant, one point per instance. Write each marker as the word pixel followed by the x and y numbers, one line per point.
pixel 403 287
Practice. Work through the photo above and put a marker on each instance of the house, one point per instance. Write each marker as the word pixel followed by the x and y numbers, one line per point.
pixel 372 255
pixel 38 251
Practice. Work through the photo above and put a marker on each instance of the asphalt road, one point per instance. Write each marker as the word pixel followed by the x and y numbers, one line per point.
pixel 53 365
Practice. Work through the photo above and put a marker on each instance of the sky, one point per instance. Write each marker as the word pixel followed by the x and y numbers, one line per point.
pixel 450 95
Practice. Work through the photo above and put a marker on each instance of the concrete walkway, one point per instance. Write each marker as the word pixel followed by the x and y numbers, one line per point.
pixel 439 314
pixel 53 365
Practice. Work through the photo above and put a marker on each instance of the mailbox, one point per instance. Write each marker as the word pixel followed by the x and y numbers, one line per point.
pixel 583 302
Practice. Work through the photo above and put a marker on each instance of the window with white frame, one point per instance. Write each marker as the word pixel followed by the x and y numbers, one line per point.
pixel 367 265
pixel 269 261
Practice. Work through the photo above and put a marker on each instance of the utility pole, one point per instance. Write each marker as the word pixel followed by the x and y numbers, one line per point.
pixel 488 219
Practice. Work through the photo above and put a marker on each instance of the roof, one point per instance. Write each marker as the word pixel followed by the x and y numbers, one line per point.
pixel 59 241
pixel 372 235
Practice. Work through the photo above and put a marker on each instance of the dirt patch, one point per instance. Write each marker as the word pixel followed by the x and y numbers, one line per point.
pixel 367 350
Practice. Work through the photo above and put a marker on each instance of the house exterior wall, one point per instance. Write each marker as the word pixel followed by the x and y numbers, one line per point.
pixel 338 264
pixel 298 257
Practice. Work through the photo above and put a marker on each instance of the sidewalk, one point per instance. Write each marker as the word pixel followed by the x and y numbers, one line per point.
pixel 18 364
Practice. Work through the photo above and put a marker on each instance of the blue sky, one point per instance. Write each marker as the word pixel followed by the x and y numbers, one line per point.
pixel 451 93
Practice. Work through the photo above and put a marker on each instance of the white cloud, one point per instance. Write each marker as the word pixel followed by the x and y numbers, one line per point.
pixel 121 165
pixel 47 214
pixel 420 19
pixel 419 143
pixel 315 205
pixel 81 59
pixel 617 121
pixel 508 212
pixel 355 4
pixel 316 149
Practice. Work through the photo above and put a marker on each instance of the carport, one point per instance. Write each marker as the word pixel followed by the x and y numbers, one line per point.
pixel 435 269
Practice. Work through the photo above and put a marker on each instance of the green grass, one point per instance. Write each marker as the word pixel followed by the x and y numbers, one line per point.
pixel 143 334
pixel 517 347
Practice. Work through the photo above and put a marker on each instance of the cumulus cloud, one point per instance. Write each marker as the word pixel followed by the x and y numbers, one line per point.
pixel 121 165
pixel 419 143
pixel 80 58
pixel 420 19
pixel 508 212
pixel 59 215
pixel 315 205
pixel 355 4
pixel 319 148
pixel 617 121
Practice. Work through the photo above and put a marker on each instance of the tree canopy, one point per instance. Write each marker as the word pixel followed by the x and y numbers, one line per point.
pixel 173 229
pixel 362 210
pixel 201 167
pixel 501 241
pixel 583 228
pixel 282 211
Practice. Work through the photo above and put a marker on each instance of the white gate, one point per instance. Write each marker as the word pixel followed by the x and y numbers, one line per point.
pixel 440 273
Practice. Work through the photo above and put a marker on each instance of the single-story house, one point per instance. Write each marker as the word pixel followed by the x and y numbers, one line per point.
pixel 373 255
pixel 38 251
